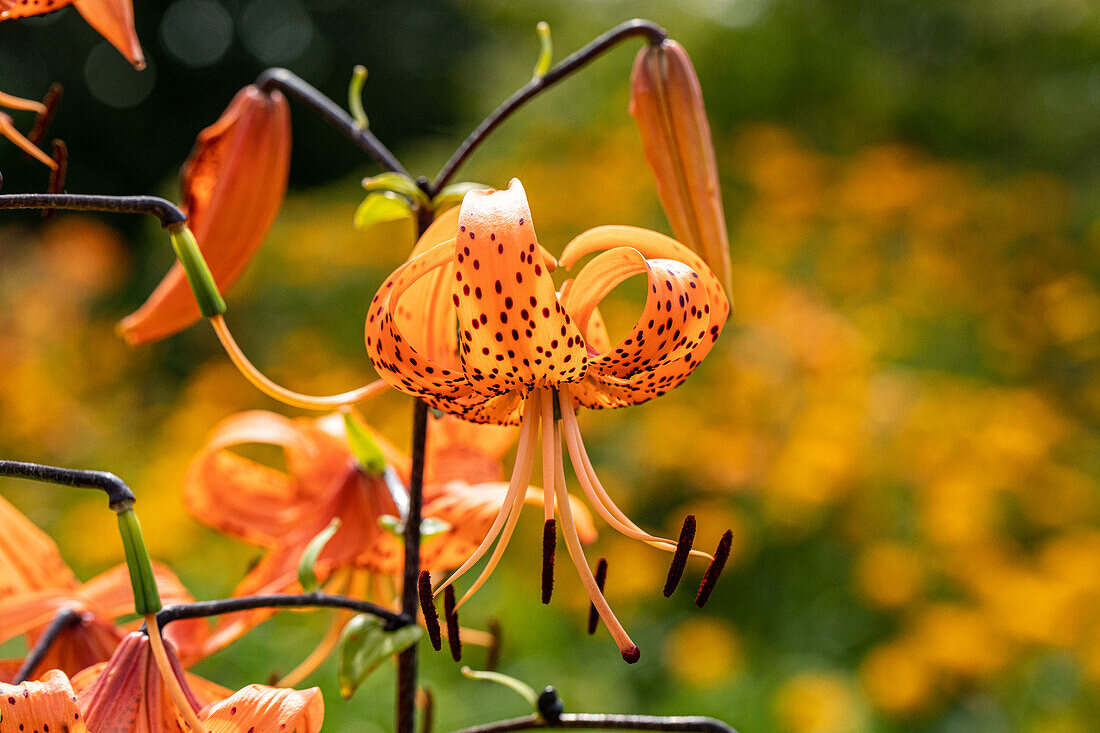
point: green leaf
(396, 183)
(366, 451)
(453, 194)
(380, 207)
(306, 576)
(429, 528)
(365, 644)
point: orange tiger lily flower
(667, 104)
(36, 706)
(505, 348)
(35, 584)
(233, 185)
(113, 19)
(127, 693)
(284, 511)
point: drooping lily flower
(127, 693)
(520, 353)
(667, 103)
(284, 511)
(40, 705)
(233, 185)
(36, 584)
(113, 19)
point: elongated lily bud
(667, 104)
(146, 595)
(233, 186)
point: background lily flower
(667, 103)
(35, 584)
(263, 709)
(127, 694)
(113, 19)
(521, 354)
(233, 185)
(38, 705)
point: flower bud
(233, 185)
(667, 104)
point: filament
(573, 543)
(547, 455)
(282, 394)
(517, 487)
(8, 130)
(168, 674)
(595, 492)
(13, 102)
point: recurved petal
(11, 9)
(512, 331)
(233, 185)
(29, 559)
(114, 20)
(667, 104)
(683, 317)
(40, 705)
(262, 709)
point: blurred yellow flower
(704, 652)
(817, 702)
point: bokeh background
(900, 422)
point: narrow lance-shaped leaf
(307, 577)
(365, 645)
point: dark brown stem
(118, 493)
(65, 618)
(652, 32)
(167, 212)
(588, 721)
(203, 609)
(298, 89)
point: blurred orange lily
(35, 706)
(284, 511)
(500, 346)
(113, 19)
(129, 694)
(233, 185)
(35, 584)
(667, 103)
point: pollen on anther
(427, 607)
(453, 639)
(711, 578)
(601, 578)
(549, 544)
(679, 559)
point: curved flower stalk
(283, 512)
(505, 348)
(112, 19)
(233, 185)
(667, 103)
(37, 585)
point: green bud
(396, 183)
(546, 53)
(142, 580)
(366, 451)
(355, 96)
(306, 575)
(198, 273)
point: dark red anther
(452, 623)
(427, 607)
(549, 543)
(715, 569)
(680, 558)
(601, 577)
(57, 175)
(42, 121)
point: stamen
(42, 120)
(715, 569)
(8, 130)
(57, 175)
(13, 102)
(427, 608)
(573, 543)
(547, 403)
(453, 637)
(595, 492)
(492, 652)
(601, 578)
(549, 543)
(282, 394)
(679, 560)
